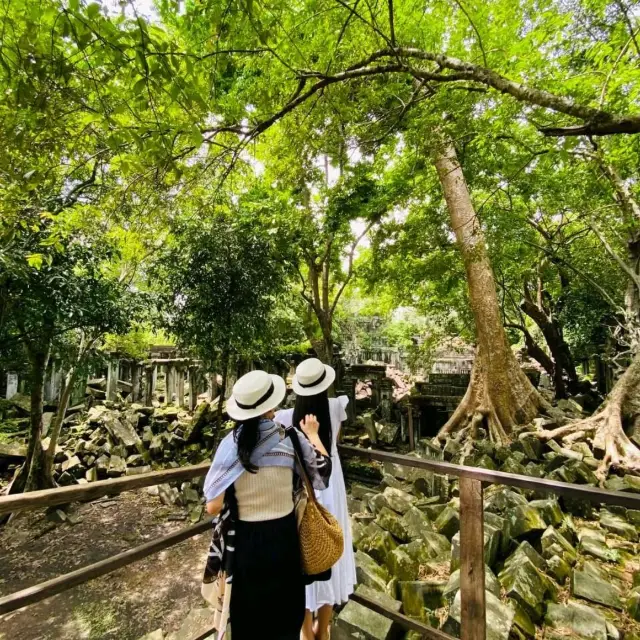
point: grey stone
(398, 500)
(117, 467)
(527, 585)
(550, 511)
(397, 470)
(554, 543)
(361, 492)
(390, 521)
(499, 617)
(401, 565)
(617, 525)
(74, 467)
(168, 495)
(136, 471)
(356, 621)
(523, 626)
(633, 604)
(577, 619)
(91, 474)
(381, 598)
(387, 433)
(589, 587)
(416, 523)
(370, 573)
(376, 542)
(418, 594)
(599, 549)
(121, 432)
(491, 545)
(559, 569)
(377, 502)
(501, 498)
(448, 522)
(390, 481)
(490, 584)
(525, 521)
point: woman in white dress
(310, 384)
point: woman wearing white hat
(253, 472)
(310, 384)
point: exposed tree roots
(497, 412)
(605, 428)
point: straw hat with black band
(312, 377)
(254, 394)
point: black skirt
(268, 597)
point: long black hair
(318, 405)
(246, 436)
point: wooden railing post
(473, 614)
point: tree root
(608, 438)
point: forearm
(314, 439)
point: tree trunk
(30, 477)
(56, 424)
(552, 331)
(499, 395)
(535, 351)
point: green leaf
(35, 260)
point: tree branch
(350, 268)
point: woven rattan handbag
(321, 539)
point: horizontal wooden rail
(62, 583)
(403, 621)
(94, 490)
(582, 491)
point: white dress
(334, 498)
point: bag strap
(293, 435)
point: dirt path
(156, 592)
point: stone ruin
(555, 567)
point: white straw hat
(312, 377)
(254, 394)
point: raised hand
(310, 425)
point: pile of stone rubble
(555, 568)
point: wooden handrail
(44, 590)
(93, 490)
(581, 491)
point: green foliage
(221, 281)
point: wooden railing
(473, 622)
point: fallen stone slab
(370, 573)
(499, 618)
(590, 587)
(577, 620)
(398, 500)
(17, 451)
(393, 523)
(619, 526)
(356, 621)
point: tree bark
(535, 351)
(499, 395)
(30, 477)
(56, 425)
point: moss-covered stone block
(390, 521)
